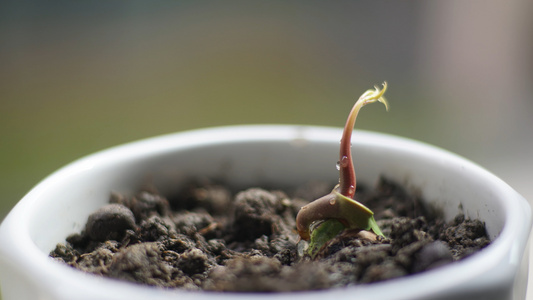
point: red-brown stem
(326, 207)
(347, 180)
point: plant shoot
(324, 218)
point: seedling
(324, 218)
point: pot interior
(69, 196)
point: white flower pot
(265, 155)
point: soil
(209, 237)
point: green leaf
(323, 232)
(356, 215)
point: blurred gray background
(81, 76)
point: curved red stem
(347, 179)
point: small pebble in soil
(109, 222)
(431, 256)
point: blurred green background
(81, 76)
(77, 77)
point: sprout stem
(338, 207)
(347, 179)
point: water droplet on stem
(351, 189)
(344, 161)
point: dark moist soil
(208, 237)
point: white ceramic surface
(272, 155)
